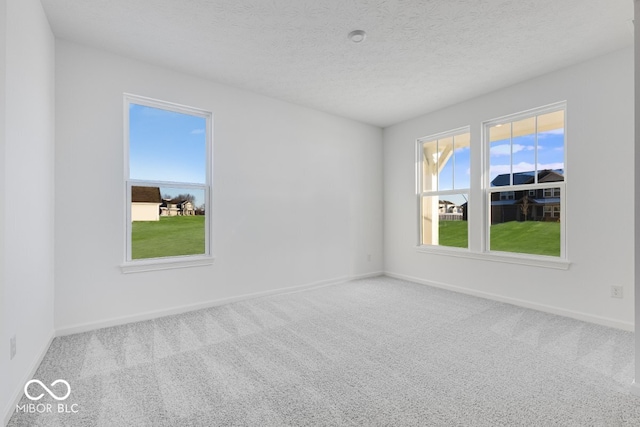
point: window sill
(522, 259)
(154, 264)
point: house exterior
(145, 203)
(449, 211)
(541, 204)
(177, 207)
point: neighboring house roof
(145, 194)
(520, 178)
(546, 201)
(551, 176)
(166, 202)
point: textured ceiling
(419, 55)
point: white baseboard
(17, 395)
(635, 388)
(85, 327)
(605, 321)
(366, 275)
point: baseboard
(366, 275)
(17, 395)
(605, 321)
(635, 388)
(75, 329)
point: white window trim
(487, 189)
(504, 257)
(420, 193)
(152, 264)
(484, 190)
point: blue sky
(167, 146)
(456, 172)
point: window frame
(150, 264)
(439, 193)
(487, 189)
(478, 198)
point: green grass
(528, 237)
(454, 234)
(171, 236)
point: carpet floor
(373, 352)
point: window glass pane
(526, 224)
(445, 164)
(523, 149)
(430, 166)
(166, 145)
(167, 221)
(500, 155)
(462, 156)
(444, 220)
(551, 142)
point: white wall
(27, 226)
(600, 169)
(297, 193)
(636, 386)
(4, 343)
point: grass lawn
(171, 236)
(530, 237)
(453, 233)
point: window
(552, 211)
(516, 205)
(168, 181)
(526, 154)
(551, 192)
(444, 164)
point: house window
(552, 211)
(551, 192)
(507, 195)
(443, 194)
(526, 153)
(168, 180)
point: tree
(524, 207)
(186, 196)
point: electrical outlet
(616, 291)
(13, 346)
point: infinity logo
(52, 394)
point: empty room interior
(299, 212)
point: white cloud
(197, 132)
(549, 133)
(505, 149)
(558, 165)
(499, 170)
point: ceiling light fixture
(357, 36)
